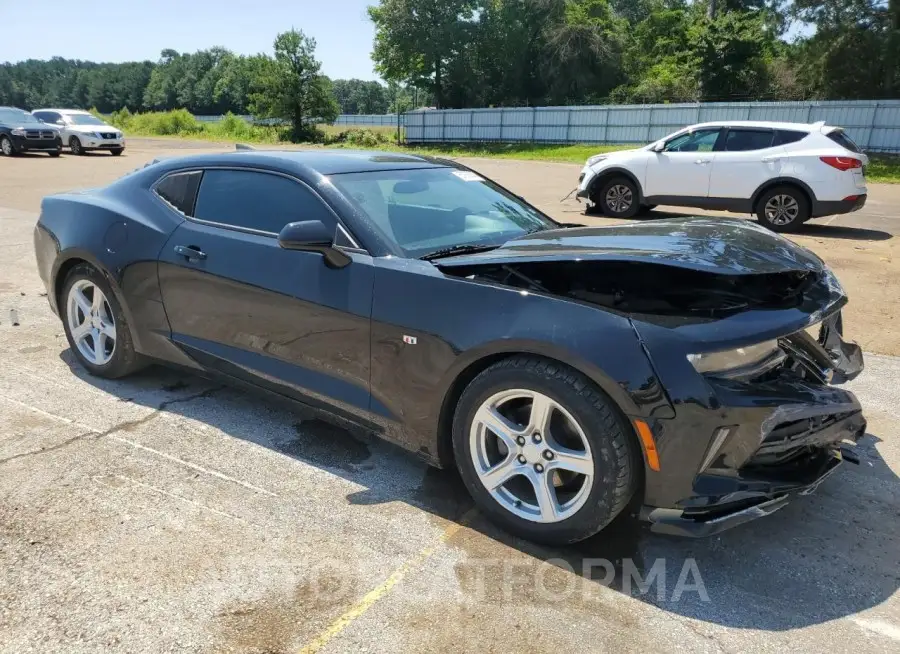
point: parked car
(82, 131)
(785, 173)
(566, 371)
(22, 132)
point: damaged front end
(744, 439)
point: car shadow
(809, 229)
(825, 556)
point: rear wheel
(543, 452)
(618, 198)
(783, 209)
(6, 146)
(95, 325)
(75, 146)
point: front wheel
(95, 325)
(75, 146)
(782, 209)
(543, 452)
(117, 152)
(618, 198)
(6, 146)
(55, 153)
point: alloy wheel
(531, 455)
(91, 322)
(6, 146)
(782, 209)
(75, 145)
(619, 198)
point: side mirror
(658, 146)
(60, 122)
(313, 236)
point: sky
(137, 30)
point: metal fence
(383, 120)
(874, 125)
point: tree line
(479, 53)
(207, 82)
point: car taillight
(842, 163)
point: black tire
(617, 458)
(55, 153)
(116, 153)
(624, 203)
(125, 360)
(75, 146)
(793, 202)
(7, 148)
(648, 207)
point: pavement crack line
(95, 434)
(369, 599)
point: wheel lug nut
(548, 455)
(520, 440)
(538, 467)
(537, 438)
(521, 459)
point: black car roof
(323, 162)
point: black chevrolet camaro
(685, 366)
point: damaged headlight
(747, 360)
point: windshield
(83, 119)
(431, 209)
(17, 117)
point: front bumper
(757, 443)
(584, 182)
(25, 144)
(94, 143)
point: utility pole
(711, 9)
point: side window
(700, 141)
(743, 140)
(46, 116)
(785, 136)
(180, 190)
(255, 200)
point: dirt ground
(861, 247)
(161, 513)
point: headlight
(18, 131)
(596, 159)
(743, 360)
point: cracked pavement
(164, 513)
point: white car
(82, 131)
(785, 173)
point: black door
(240, 304)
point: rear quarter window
(787, 136)
(180, 190)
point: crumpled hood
(717, 245)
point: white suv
(82, 131)
(785, 173)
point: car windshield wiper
(458, 249)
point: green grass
(883, 168)
(181, 124)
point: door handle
(190, 252)
(702, 162)
(771, 159)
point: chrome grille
(108, 135)
(49, 134)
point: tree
(292, 87)
(417, 41)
